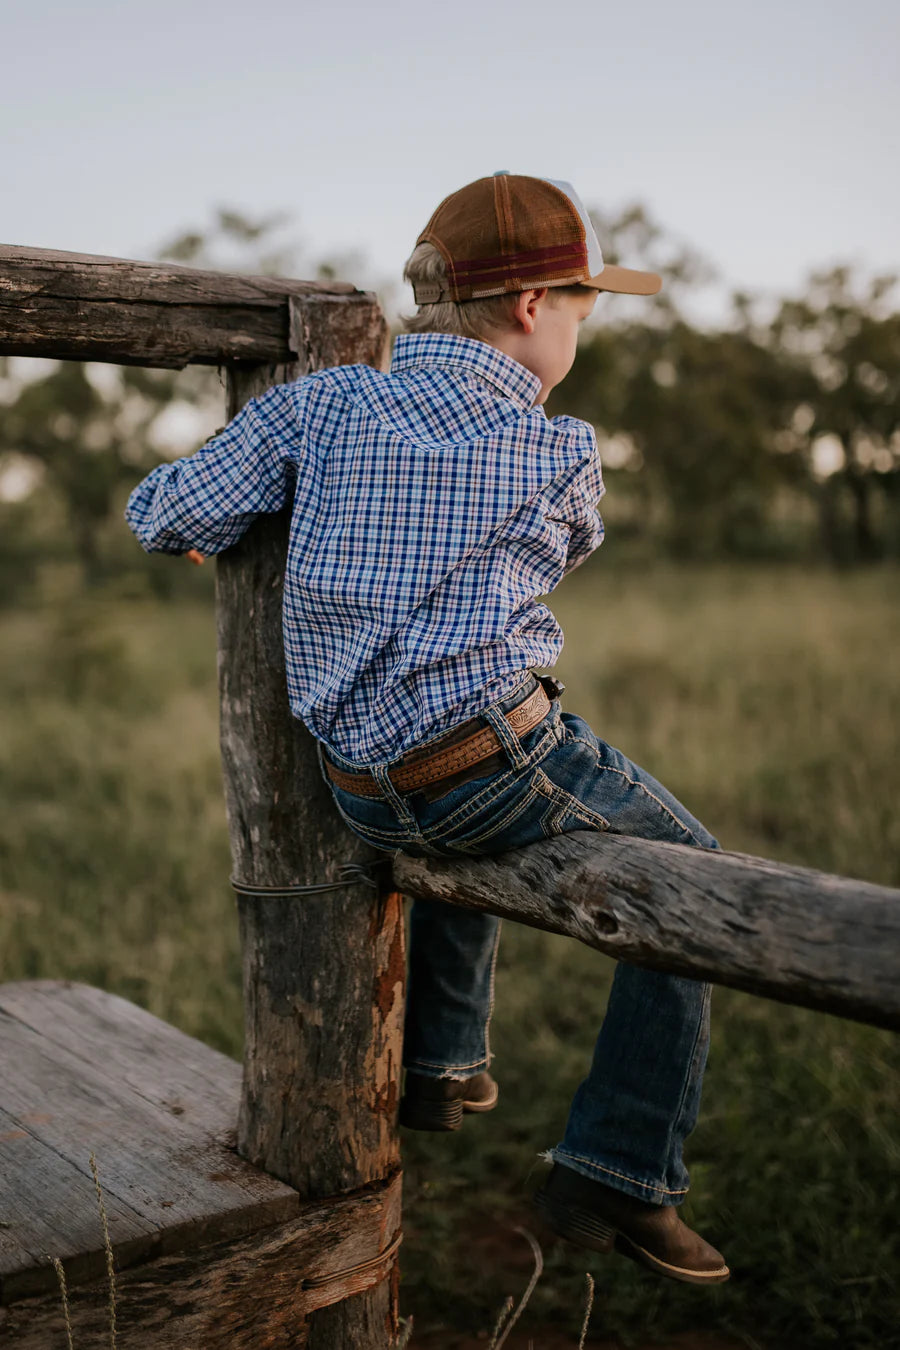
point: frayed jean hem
(651, 1191)
(455, 1072)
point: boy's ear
(525, 310)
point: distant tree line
(779, 433)
(776, 434)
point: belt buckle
(551, 686)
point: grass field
(767, 699)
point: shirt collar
(413, 351)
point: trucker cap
(510, 232)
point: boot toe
(594, 1215)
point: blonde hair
(459, 318)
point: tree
(705, 411)
(846, 336)
(86, 444)
(634, 238)
(89, 432)
(700, 416)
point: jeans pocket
(563, 812)
(373, 821)
(505, 820)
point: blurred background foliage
(737, 634)
(774, 435)
(76, 437)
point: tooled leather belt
(422, 770)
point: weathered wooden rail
(83, 308)
(314, 1259)
(787, 933)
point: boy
(431, 506)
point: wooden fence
(323, 979)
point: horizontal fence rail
(74, 306)
(786, 933)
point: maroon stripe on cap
(559, 270)
(524, 274)
(559, 253)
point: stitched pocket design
(372, 821)
(565, 813)
(504, 823)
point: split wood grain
(120, 1040)
(263, 1290)
(48, 1207)
(149, 1158)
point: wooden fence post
(323, 975)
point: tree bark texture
(323, 974)
(79, 307)
(786, 933)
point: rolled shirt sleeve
(576, 496)
(585, 522)
(209, 499)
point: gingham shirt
(431, 506)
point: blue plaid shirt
(431, 506)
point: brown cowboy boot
(602, 1218)
(439, 1103)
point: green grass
(113, 844)
(767, 699)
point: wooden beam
(78, 307)
(323, 974)
(787, 933)
(88, 1072)
(268, 1288)
(207, 1251)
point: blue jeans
(639, 1101)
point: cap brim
(625, 281)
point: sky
(765, 136)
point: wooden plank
(787, 933)
(13, 1256)
(324, 974)
(48, 1208)
(121, 1041)
(79, 307)
(188, 1187)
(97, 276)
(250, 1293)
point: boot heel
(576, 1224)
(417, 1114)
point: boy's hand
(194, 556)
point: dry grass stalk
(406, 1331)
(589, 1307)
(498, 1325)
(523, 1301)
(110, 1268)
(61, 1277)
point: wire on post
(351, 874)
